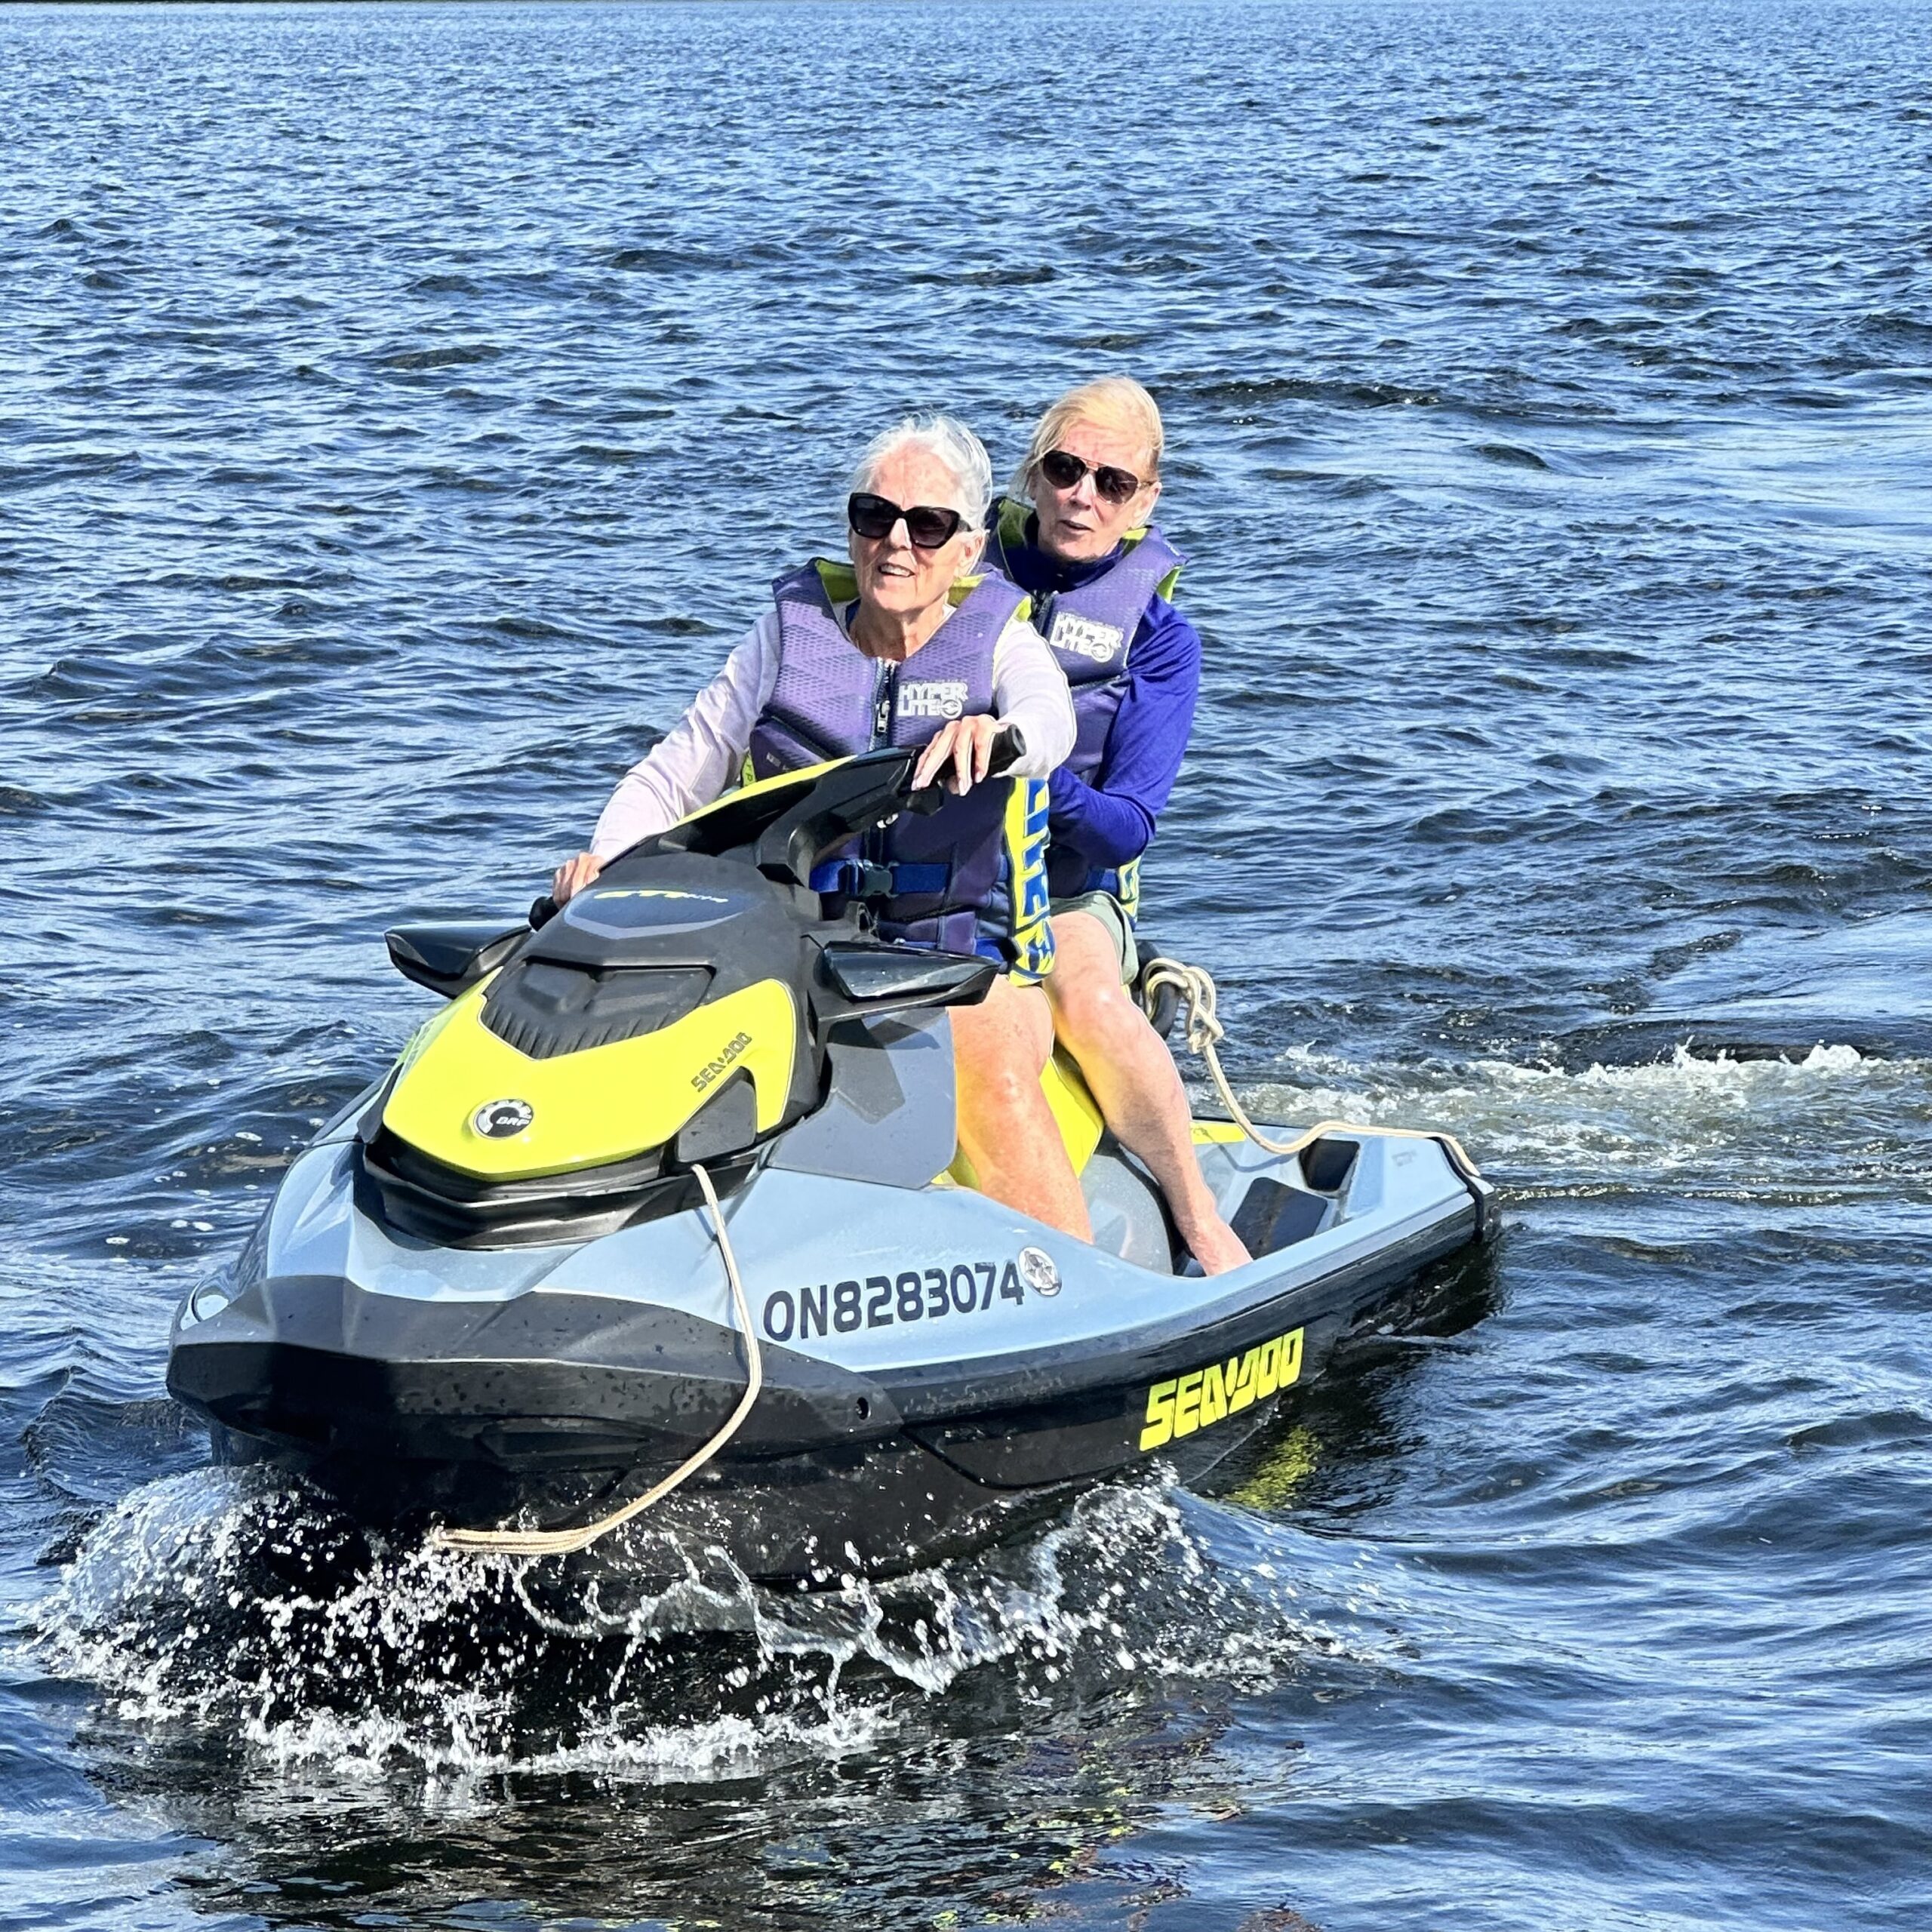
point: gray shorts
(1112, 915)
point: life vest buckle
(853, 878)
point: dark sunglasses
(929, 527)
(1063, 469)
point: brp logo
(502, 1120)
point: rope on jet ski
(1195, 988)
(565, 1542)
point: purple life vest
(1091, 629)
(952, 873)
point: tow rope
(1195, 987)
(565, 1542)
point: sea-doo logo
(502, 1120)
(1211, 1395)
(712, 1068)
(1084, 637)
(655, 892)
(940, 697)
(1037, 1270)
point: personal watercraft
(510, 1281)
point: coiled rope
(565, 1542)
(1205, 1032)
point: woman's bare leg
(999, 1049)
(1134, 1078)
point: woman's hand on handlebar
(574, 875)
(960, 754)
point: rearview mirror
(450, 955)
(888, 978)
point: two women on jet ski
(907, 646)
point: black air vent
(545, 1009)
(401, 1187)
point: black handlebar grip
(542, 911)
(1009, 748)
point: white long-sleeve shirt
(700, 755)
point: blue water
(402, 409)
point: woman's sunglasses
(929, 527)
(1063, 469)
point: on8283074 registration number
(885, 1301)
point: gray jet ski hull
(938, 1370)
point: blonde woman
(1077, 536)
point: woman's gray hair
(949, 440)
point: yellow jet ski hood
(677, 1010)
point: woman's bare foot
(1215, 1245)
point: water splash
(1828, 1119)
(237, 1605)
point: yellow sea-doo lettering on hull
(586, 1108)
(1208, 1395)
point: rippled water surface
(402, 409)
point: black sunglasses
(928, 526)
(1063, 469)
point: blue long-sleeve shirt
(1111, 819)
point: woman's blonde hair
(1117, 400)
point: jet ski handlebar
(849, 798)
(1009, 747)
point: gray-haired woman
(906, 647)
